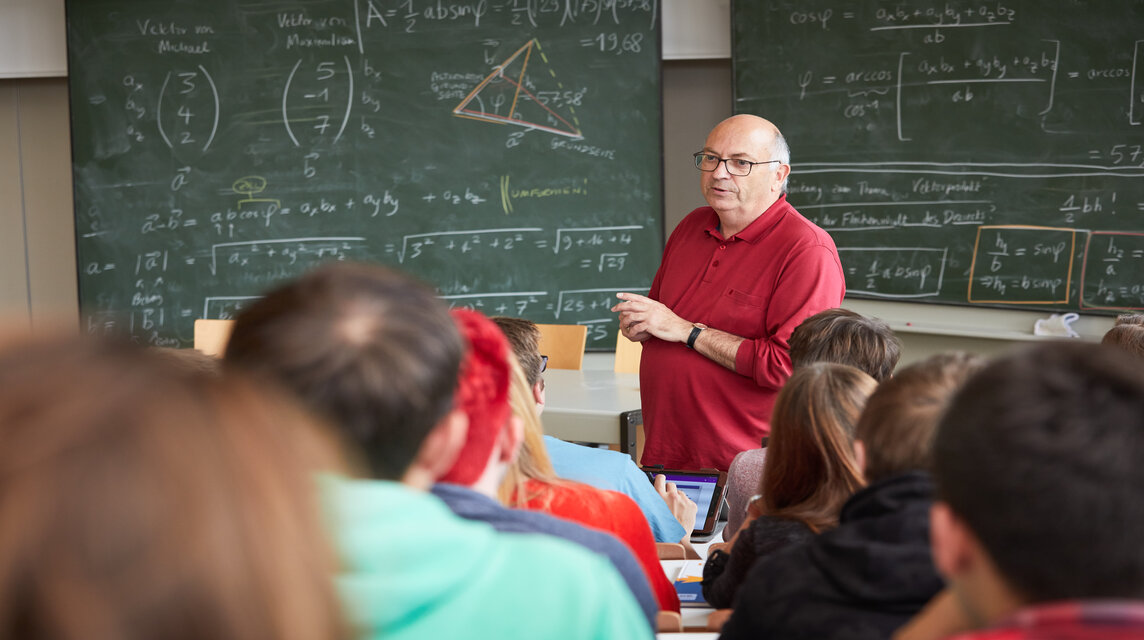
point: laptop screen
(705, 488)
(701, 489)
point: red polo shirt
(758, 284)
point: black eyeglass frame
(700, 155)
(543, 363)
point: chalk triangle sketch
(508, 95)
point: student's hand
(682, 507)
(717, 619)
(725, 547)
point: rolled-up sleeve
(810, 282)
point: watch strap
(695, 331)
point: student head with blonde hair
(493, 394)
(530, 482)
(144, 500)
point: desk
(586, 405)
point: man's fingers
(660, 482)
(635, 297)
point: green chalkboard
(975, 153)
(506, 151)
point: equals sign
(828, 79)
(1140, 206)
(585, 264)
(541, 244)
(1074, 74)
(587, 42)
(1094, 154)
(391, 12)
(1018, 252)
(190, 223)
(852, 270)
(847, 14)
(1139, 253)
(389, 248)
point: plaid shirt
(1070, 620)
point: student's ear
(860, 455)
(439, 450)
(954, 545)
(538, 395)
(511, 437)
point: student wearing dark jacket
(871, 574)
(811, 471)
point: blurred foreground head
(372, 350)
(143, 500)
(1040, 481)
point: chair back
(563, 344)
(670, 551)
(627, 355)
(211, 336)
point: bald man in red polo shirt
(736, 278)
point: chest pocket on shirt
(740, 313)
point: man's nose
(721, 170)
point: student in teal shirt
(378, 356)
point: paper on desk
(689, 584)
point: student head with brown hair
(843, 336)
(1126, 336)
(140, 500)
(835, 335)
(811, 468)
(865, 578)
(524, 338)
(811, 471)
(896, 430)
(372, 350)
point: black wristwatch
(696, 329)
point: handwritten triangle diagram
(508, 95)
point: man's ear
(783, 171)
(860, 455)
(954, 546)
(439, 450)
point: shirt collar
(758, 227)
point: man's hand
(641, 318)
(682, 507)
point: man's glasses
(543, 363)
(735, 166)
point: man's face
(743, 198)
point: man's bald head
(741, 199)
